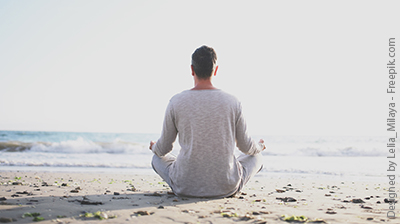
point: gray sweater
(209, 123)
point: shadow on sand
(83, 207)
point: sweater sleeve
(168, 135)
(243, 141)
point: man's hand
(151, 144)
(261, 143)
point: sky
(298, 67)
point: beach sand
(75, 197)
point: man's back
(207, 122)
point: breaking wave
(79, 145)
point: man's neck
(201, 84)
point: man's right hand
(151, 144)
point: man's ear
(193, 73)
(215, 71)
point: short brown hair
(204, 60)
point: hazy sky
(298, 67)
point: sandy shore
(59, 197)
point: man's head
(204, 61)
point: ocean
(343, 157)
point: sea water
(341, 157)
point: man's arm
(243, 141)
(168, 135)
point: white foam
(81, 145)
